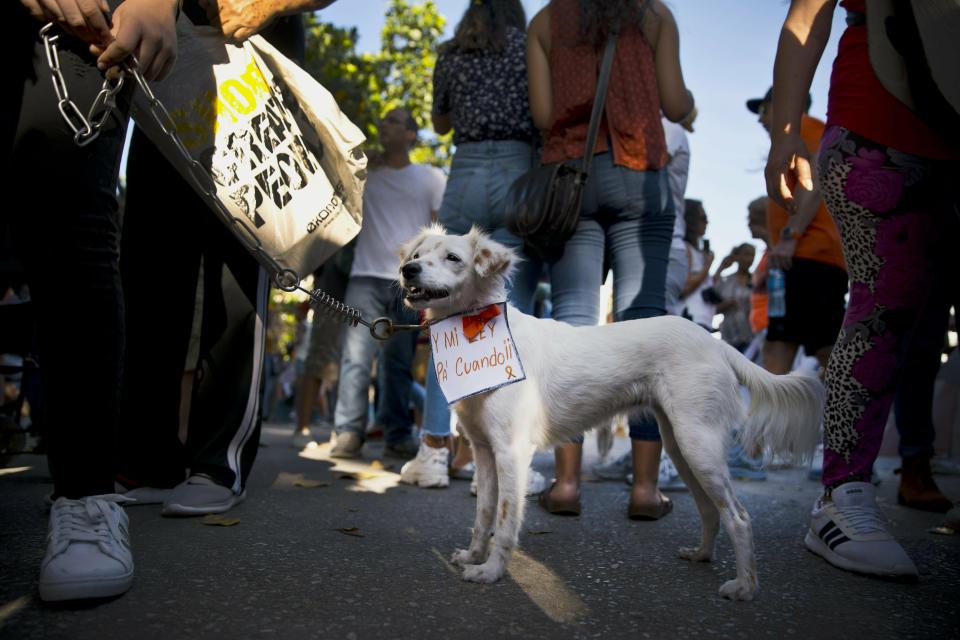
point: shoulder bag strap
(600, 97)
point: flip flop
(558, 507)
(650, 512)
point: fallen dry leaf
(286, 480)
(350, 531)
(360, 475)
(306, 483)
(216, 520)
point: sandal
(559, 507)
(648, 511)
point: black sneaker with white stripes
(847, 531)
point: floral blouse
(486, 94)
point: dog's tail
(785, 411)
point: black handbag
(543, 205)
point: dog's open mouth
(416, 294)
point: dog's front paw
(487, 572)
(738, 590)
(695, 554)
(463, 557)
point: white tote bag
(266, 140)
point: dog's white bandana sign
(474, 352)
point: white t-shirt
(677, 171)
(700, 310)
(397, 203)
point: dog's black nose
(411, 270)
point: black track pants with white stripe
(167, 231)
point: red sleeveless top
(859, 102)
(631, 119)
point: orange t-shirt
(759, 297)
(820, 240)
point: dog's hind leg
(709, 516)
(736, 521)
(512, 463)
(486, 507)
(703, 447)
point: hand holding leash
(146, 29)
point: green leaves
(367, 85)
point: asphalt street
(328, 549)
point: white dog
(578, 378)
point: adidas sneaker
(88, 550)
(848, 532)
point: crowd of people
(871, 219)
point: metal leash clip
(389, 328)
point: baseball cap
(753, 104)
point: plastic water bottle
(777, 292)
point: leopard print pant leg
(880, 201)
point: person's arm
(538, 70)
(440, 184)
(440, 114)
(240, 19)
(146, 28)
(84, 19)
(725, 264)
(696, 278)
(802, 39)
(729, 298)
(442, 123)
(676, 101)
(807, 203)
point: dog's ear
(407, 248)
(490, 258)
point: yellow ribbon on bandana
(473, 325)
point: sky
(727, 49)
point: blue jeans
(625, 219)
(480, 176)
(376, 297)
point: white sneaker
(466, 472)
(668, 478)
(88, 550)
(143, 495)
(536, 483)
(615, 469)
(847, 531)
(199, 495)
(430, 467)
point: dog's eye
(416, 256)
(452, 257)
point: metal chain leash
(86, 129)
